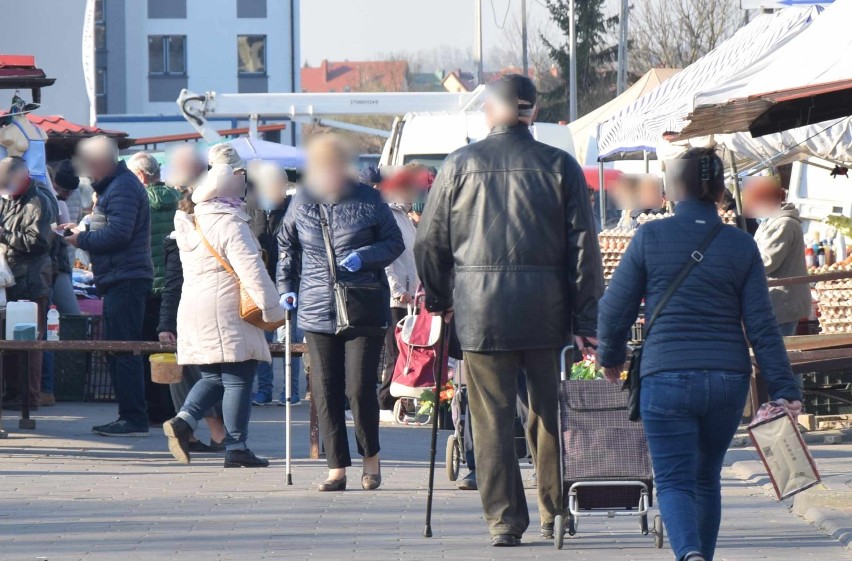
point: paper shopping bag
(785, 455)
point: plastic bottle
(809, 257)
(840, 248)
(53, 324)
(826, 248)
(820, 254)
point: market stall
(808, 80)
(639, 128)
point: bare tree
(676, 33)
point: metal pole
(477, 41)
(602, 194)
(622, 47)
(288, 392)
(572, 68)
(646, 158)
(525, 54)
(738, 195)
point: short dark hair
(710, 185)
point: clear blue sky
(365, 29)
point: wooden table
(116, 347)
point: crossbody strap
(329, 251)
(694, 259)
(215, 253)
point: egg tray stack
(613, 244)
(835, 305)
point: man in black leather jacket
(507, 242)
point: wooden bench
(118, 347)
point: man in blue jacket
(119, 243)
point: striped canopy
(644, 124)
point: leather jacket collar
(520, 129)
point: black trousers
(344, 366)
(492, 390)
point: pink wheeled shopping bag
(417, 337)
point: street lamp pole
(572, 68)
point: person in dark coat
(365, 239)
(696, 368)
(119, 243)
(167, 333)
(25, 239)
(509, 218)
(266, 205)
(163, 201)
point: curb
(809, 505)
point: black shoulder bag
(360, 309)
(634, 380)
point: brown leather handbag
(249, 310)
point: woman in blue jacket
(365, 239)
(695, 364)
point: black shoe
(694, 556)
(196, 446)
(331, 485)
(120, 428)
(468, 482)
(216, 447)
(179, 433)
(547, 530)
(505, 540)
(244, 458)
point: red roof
(55, 125)
(348, 76)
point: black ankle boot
(179, 434)
(244, 458)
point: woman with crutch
(335, 241)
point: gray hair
(100, 147)
(144, 164)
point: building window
(251, 54)
(167, 54)
(101, 91)
(100, 26)
(251, 8)
(167, 9)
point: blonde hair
(330, 148)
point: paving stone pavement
(69, 495)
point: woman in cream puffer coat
(211, 333)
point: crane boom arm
(196, 108)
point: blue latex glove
(352, 263)
(289, 301)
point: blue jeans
(229, 383)
(264, 369)
(124, 312)
(690, 418)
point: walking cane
(439, 357)
(288, 372)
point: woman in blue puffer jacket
(695, 362)
(365, 239)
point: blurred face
(762, 197)
(96, 167)
(327, 173)
(272, 193)
(16, 183)
(185, 167)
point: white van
(816, 194)
(428, 138)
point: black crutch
(439, 376)
(288, 389)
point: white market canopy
(642, 125)
(585, 129)
(806, 81)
